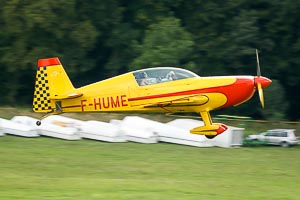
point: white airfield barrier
(131, 128)
(17, 128)
(57, 131)
(29, 121)
(2, 132)
(161, 132)
(178, 135)
(60, 127)
(52, 126)
(232, 137)
(95, 130)
(135, 130)
(103, 131)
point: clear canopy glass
(161, 74)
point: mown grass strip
(48, 168)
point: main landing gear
(210, 130)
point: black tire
(210, 136)
(284, 144)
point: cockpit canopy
(161, 74)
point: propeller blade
(258, 66)
(260, 82)
(261, 94)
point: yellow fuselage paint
(122, 93)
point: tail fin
(51, 81)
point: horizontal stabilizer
(67, 96)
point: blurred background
(99, 39)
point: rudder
(51, 81)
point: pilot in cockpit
(143, 78)
(171, 76)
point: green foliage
(100, 39)
(165, 44)
(276, 105)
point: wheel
(210, 136)
(38, 123)
(284, 144)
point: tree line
(99, 39)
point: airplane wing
(198, 99)
(67, 96)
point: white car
(282, 137)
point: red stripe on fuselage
(241, 90)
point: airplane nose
(265, 82)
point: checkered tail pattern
(41, 99)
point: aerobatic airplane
(160, 89)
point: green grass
(48, 168)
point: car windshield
(161, 74)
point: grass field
(48, 168)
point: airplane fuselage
(122, 93)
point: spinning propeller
(260, 82)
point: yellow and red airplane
(161, 89)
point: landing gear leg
(210, 130)
(39, 122)
(206, 118)
(207, 121)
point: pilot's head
(171, 75)
(143, 75)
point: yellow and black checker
(41, 99)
